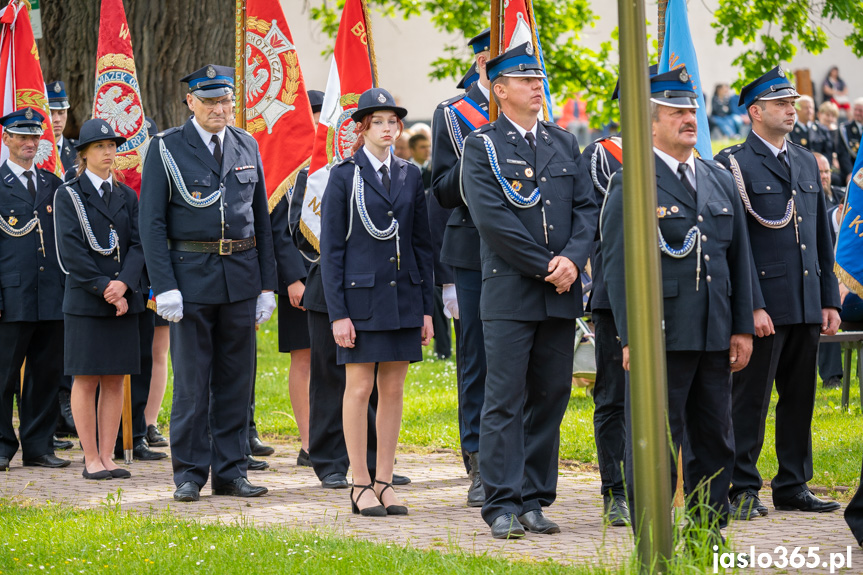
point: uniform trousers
(140, 382)
(41, 342)
(854, 513)
(213, 356)
(527, 390)
(441, 326)
(470, 346)
(327, 448)
(699, 420)
(789, 358)
(609, 397)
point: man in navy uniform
(31, 296)
(453, 120)
(808, 132)
(850, 131)
(795, 298)
(530, 197)
(58, 102)
(205, 228)
(706, 290)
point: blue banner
(677, 51)
(849, 244)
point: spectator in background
(841, 163)
(808, 133)
(420, 147)
(724, 116)
(402, 148)
(835, 90)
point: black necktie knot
(683, 171)
(217, 148)
(385, 177)
(31, 185)
(106, 193)
(531, 139)
(783, 160)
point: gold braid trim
(304, 229)
(115, 61)
(151, 304)
(256, 125)
(127, 161)
(847, 279)
(287, 183)
(289, 93)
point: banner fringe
(286, 184)
(310, 236)
(846, 278)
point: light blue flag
(677, 51)
(849, 244)
(546, 87)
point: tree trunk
(170, 39)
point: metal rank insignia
(803, 141)
(661, 211)
(528, 172)
(13, 220)
(49, 209)
(516, 185)
(196, 195)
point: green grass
(430, 418)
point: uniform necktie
(31, 186)
(217, 148)
(106, 193)
(683, 170)
(531, 139)
(385, 177)
(783, 159)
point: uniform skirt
(159, 322)
(101, 345)
(293, 326)
(377, 346)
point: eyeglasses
(210, 104)
(826, 171)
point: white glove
(450, 303)
(169, 305)
(265, 307)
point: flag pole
(370, 42)
(240, 64)
(496, 17)
(127, 419)
(663, 4)
(534, 35)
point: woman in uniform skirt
(376, 265)
(96, 219)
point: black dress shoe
(256, 464)
(476, 492)
(334, 481)
(259, 449)
(391, 509)
(303, 459)
(805, 501)
(745, 506)
(120, 473)
(97, 476)
(535, 522)
(833, 382)
(616, 510)
(47, 460)
(188, 491)
(62, 445)
(373, 511)
(4, 463)
(401, 479)
(155, 438)
(240, 487)
(142, 453)
(506, 526)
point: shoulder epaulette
(483, 129)
(548, 124)
(451, 101)
(239, 131)
(169, 131)
(799, 146)
(348, 160)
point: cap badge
(529, 49)
(684, 76)
(28, 114)
(211, 72)
(382, 99)
(58, 88)
(780, 71)
(104, 129)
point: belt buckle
(225, 247)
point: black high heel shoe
(391, 509)
(376, 511)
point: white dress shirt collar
(19, 171)
(376, 163)
(776, 151)
(208, 136)
(97, 181)
(521, 130)
(485, 91)
(673, 164)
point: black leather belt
(221, 247)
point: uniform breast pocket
(723, 217)
(768, 199)
(521, 177)
(562, 174)
(810, 191)
(248, 179)
(198, 184)
(10, 280)
(358, 295)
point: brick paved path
(438, 518)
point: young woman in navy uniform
(376, 262)
(96, 220)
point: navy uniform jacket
(313, 297)
(290, 265)
(815, 139)
(599, 292)
(850, 133)
(89, 271)
(207, 278)
(31, 283)
(438, 218)
(702, 320)
(515, 256)
(460, 247)
(68, 154)
(795, 281)
(360, 276)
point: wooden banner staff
(240, 65)
(127, 420)
(663, 4)
(496, 37)
(370, 43)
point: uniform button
(552, 253)
(803, 247)
(564, 170)
(551, 228)
(706, 258)
(116, 274)
(392, 284)
(547, 202)
(763, 273)
(709, 279)
(703, 238)
(799, 218)
(463, 220)
(181, 258)
(494, 271)
(41, 269)
(793, 192)
(806, 272)
(542, 179)
(700, 218)
(538, 276)
(111, 226)
(11, 211)
(725, 210)
(116, 258)
(392, 260)
(227, 226)
(94, 288)
(390, 214)
(353, 283)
